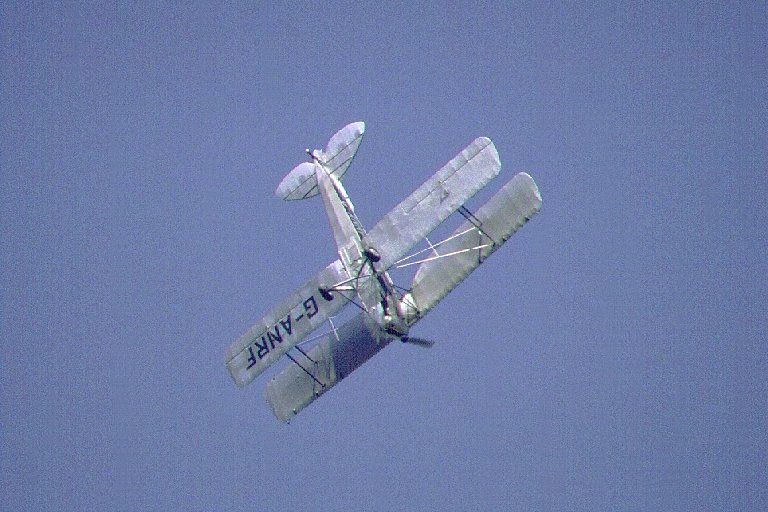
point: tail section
(301, 182)
(345, 227)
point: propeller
(419, 342)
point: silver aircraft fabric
(301, 182)
(286, 325)
(492, 225)
(333, 358)
(345, 349)
(437, 198)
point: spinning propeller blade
(419, 342)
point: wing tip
(486, 144)
(532, 186)
(270, 396)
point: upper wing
(441, 195)
(301, 182)
(472, 243)
(285, 326)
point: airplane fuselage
(387, 308)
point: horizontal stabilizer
(472, 243)
(286, 325)
(301, 182)
(326, 364)
(441, 195)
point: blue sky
(611, 356)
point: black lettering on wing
(274, 337)
(263, 347)
(251, 358)
(310, 306)
(287, 325)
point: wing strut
(464, 211)
(454, 253)
(432, 247)
(302, 367)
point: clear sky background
(612, 356)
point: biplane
(361, 274)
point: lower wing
(325, 365)
(345, 349)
